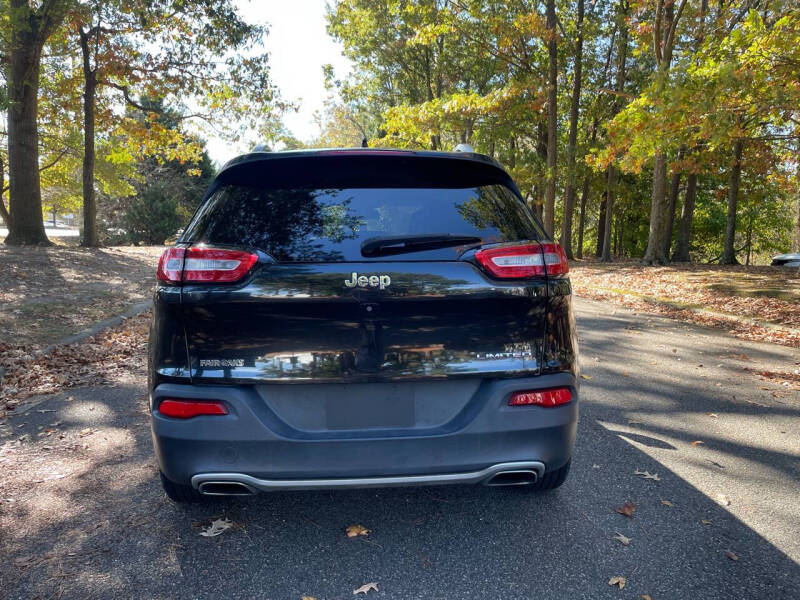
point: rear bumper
(527, 472)
(253, 446)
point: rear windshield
(329, 225)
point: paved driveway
(83, 516)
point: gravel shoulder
(82, 514)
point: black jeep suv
(357, 318)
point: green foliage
(153, 215)
(431, 74)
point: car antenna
(364, 143)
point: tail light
(186, 409)
(554, 397)
(555, 259)
(170, 265)
(526, 260)
(202, 264)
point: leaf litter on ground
(366, 588)
(217, 527)
(356, 530)
(618, 581)
(626, 509)
(625, 541)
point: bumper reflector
(186, 409)
(554, 397)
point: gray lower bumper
(269, 485)
(254, 447)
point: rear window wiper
(387, 245)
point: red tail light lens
(211, 264)
(555, 260)
(204, 265)
(528, 260)
(186, 409)
(554, 397)
(512, 261)
(170, 265)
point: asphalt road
(87, 519)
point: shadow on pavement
(107, 530)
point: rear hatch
(369, 267)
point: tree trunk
(796, 239)
(674, 190)
(552, 120)
(729, 253)
(601, 224)
(569, 195)
(541, 184)
(607, 230)
(664, 36)
(654, 255)
(25, 196)
(582, 218)
(749, 242)
(619, 86)
(687, 216)
(89, 93)
(3, 210)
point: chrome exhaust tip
(225, 488)
(520, 477)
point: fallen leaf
(667, 503)
(647, 475)
(586, 376)
(356, 530)
(625, 541)
(366, 588)
(705, 522)
(645, 597)
(626, 509)
(723, 499)
(712, 415)
(618, 581)
(308, 598)
(697, 443)
(85, 432)
(217, 527)
(732, 555)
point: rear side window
(329, 225)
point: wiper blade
(387, 245)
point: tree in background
(175, 51)
(101, 55)
(166, 197)
(574, 109)
(27, 27)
